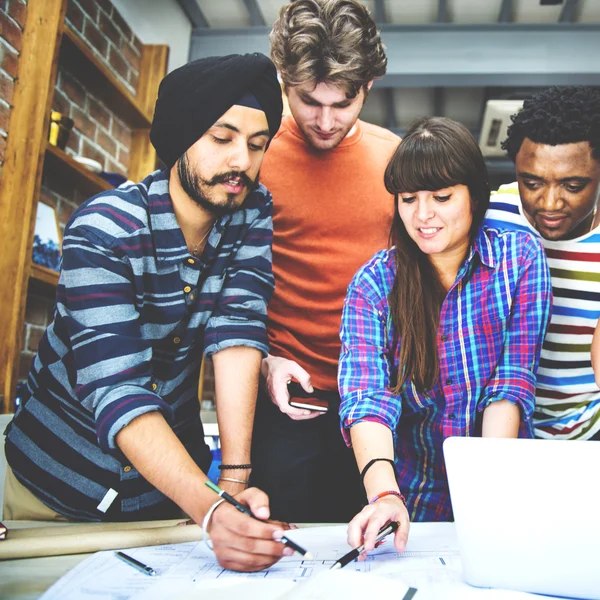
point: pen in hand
(244, 509)
(136, 564)
(348, 558)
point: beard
(198, 188)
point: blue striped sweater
(134, 313)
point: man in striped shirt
(555, 144)
(154, 275)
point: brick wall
(99, 23)
(97, 133)
(12, 19)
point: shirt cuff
(222, 333)
(121, 406)
(515, 384)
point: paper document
(185, 570)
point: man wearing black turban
(155, 275)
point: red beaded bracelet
(389, 493)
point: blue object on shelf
(115, 179)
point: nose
(239, 158)
(325, 118)
(551, 200)
(424, 210)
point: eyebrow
(307, 97)
(576, 178)
(233, 128)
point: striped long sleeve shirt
(567, 397)
(134, 314)
(492, 323)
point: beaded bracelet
(389, 493)
(233, 480)
(228, 467)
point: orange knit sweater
(331, 213)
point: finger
(306, 415)
(257, 501)
(401, 535)
(357, 526)
(298, 414)
(302, 377)
(378, 520)
(225, 539)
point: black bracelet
(221, 467)
(370, 464)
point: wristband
(205, 537)
(228, 467)
(370, 464)
(388, 493)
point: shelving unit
(64, 165)
(48, 42)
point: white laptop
(527, 513)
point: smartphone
(299, 398)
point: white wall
(159, 22)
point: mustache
(222, 178)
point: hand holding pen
(354, 554)
(290, 546)
(365, 526)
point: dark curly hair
(333, 41)
(558, 115)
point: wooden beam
(256, 17)
(506, 12)
(380, 13)
(568, 14)
(193, 13)
(20, 184)
(442, 15)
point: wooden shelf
(43, 275)
(96, 77)
(64, 165)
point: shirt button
(154, 387)
(452, 416)
(176, 340)
(127, 469)
(191, 261)
(187, 289)
(191, 296)
(449, 381)
(444, 337)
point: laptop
(527, 513)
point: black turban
(193, 97)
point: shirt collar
(169, 243)
(483, 247)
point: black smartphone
(299, 398)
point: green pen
(244, 509)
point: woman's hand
(366, 524)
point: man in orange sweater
(331, 213)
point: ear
(369, 84)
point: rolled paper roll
(93, 537)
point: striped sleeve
(96, 301)
(364, 369)
(240, 317)
(514, 378)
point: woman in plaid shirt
(441, 334)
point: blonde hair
(332, 41)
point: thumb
(257, 501)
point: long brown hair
(435, 153)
